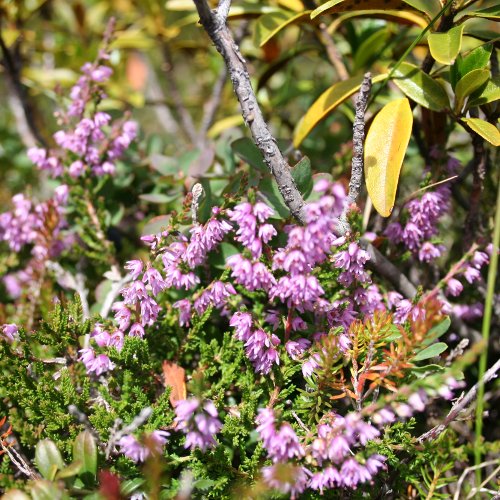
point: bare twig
(215, 26)
(358, 139)
(460, 404)
(466, 471)
(19, 461)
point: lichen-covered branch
(214, 23)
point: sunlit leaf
(420, 87)
(476, 59)
(488, 13)
(430, 7)
(269, 25)
(228, 122)
(385, 148)
(490, 93)
(397, 16)
(326, 103)
(486, 130)
(49, 79)
(445, 47)
(468, 84)
(431, 351)
(132, 39)
(436, 331)
(85, 452)
(295, 5)
(48, 457)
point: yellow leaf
(385, 148)
(229, 122)
(485, 129)
(326, 103)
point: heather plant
(230, 317)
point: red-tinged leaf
(174, 376)
(109, 485)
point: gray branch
(215, 26)
(460, 404)
(358, 141)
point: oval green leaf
(302, 175)
(420, 87)
(385, 148)
(445, 47)
(431, 351)
(468, 84)
(485, 129)
(85, 452)
(490, 93)
(326, 103)
(47, 458)
(488, 13)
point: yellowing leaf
(219, 126)
(430, 7)
(385, 148)
(295, 5)
(485, 129)
(445, 47)
(326, 103)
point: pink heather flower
(154, 279)
(260, 348)
(10, 331)
(310, 365)
(429, 252)
(242, 321)
(417, 400)
(286, 478)
(374, 463)
(95, 364)
(469, 312)
(383, 416)
(254, 276)
(134, 292)
(184, 306)
(139, 452)
(454, 287)
(471, 274)
(296, 348)
(281, 445)
(122, 315)
(403, 410)
(199, 422)
(403, 310)
(134, 267)
(136, 330)
(353, 473)
(394, 232)
(149, 311)
(352, 261)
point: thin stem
(488, 307)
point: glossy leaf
(486, 130)
(420, 87)
(490, 93)
(302, 175)
(436, 331)
(326, 103)
(385, 148)
(430, 7)
(488, 13)
(269, 25)
(85, 452)
(468, 84)
(445, 47)
(48, 457)
(431, 351)
(476, 59)
(245, 149)
(396, 16)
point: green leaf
(269, 25)
(385, 148)
(485, 129)
(45, 490)
(422, 372)
(165, 165)
(129, 486)
(490, 93)
(371, 47)
(395, 16)
(476, 59)
(436, 331)
(156, 225)
(468, 84)
(488, 13)
(219, 258)
(245, 149)
(326, 103)
(302, 175)
(71, 470)
(85, 452)
(269, 190)
(445, 47)
(430, 352)
(158, 197)
(48, 456)
(420, 87)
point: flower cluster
(93, 144)
(198, 421)
(138, 451)
(424, 216)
